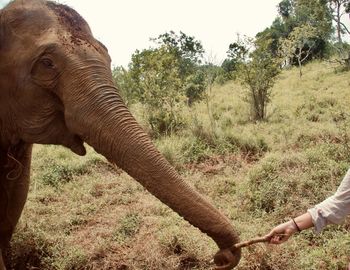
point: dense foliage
(296, 14)
(165, 78)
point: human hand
(282, 232)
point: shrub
(58, 165)
(258, 75)
(195, 86)
(247, 145)
(271, 182)
(195, 150)
(129, 226)
(328, 252)
(55, 173)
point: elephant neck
(8, 137)
(8, 129)
(9, 157)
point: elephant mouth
(77, 145)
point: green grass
(83, 213)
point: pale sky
(126, 25)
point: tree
(195, 86)
(342, 55)
(188, 50)
(125, 85)
(228, 67)
(286, 8)
(257, 73)
(339, 8)
(296, 13)
(238, 50)
(189, 53)
(156, 73)
(299, 44)
(315, 13)
(186, 46)
(235, 53)
(279, 29)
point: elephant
(56, 87)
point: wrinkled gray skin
(56, 88)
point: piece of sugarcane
(254, 241)
(251, 242)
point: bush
(247, 145)
(195, 150)
(195, 86)
(129, 226)
(274, 180)
(164, 122)
(59, 165)
(258, 73)
(327, 252)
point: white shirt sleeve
(334, 209)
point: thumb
(270, 234)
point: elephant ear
(4, 29)
(1, 30)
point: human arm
(332, 210)
(282, 232)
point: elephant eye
(47, 62)
(44, 72)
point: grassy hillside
(83, 213)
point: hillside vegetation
(83, 213)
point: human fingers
(279, 239)
(278, 230)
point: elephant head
(56, 87)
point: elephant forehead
(69, 19)
(24, 20)
(78, 30)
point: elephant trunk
(107, 125)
